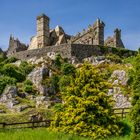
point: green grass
(44, 134)
(24, 116)
(37, 134)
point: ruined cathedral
(56, 40)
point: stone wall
(78, 51)
(81, 51)
(64, 50)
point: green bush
(25, 68)
(135, 112)
(58, 61)
(4, 81)
(67, 69)
(114, 58)
(55, 82)
(28, 87)
(87, 110)
(12, 71)
(10, 60)
(64, 82)
(58, 107)
(2, 57)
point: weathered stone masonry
(15, 46)
(64, 50)
(52, 41)
(43, 31)
(78, 51)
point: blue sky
(18, 17)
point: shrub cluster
(86, 108)
(135, 85)
(10, 74)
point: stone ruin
(94, 35)
(15, 46)
(48, 38)
(115, 41)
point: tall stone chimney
(43, 31)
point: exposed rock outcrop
(8, 97)
(36, 76)
(9, 93)
(118, 79)
(97, 60)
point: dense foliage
(87, 110)
(4, 81)
(135, 85)
(62, 71)
(11, 74)
(114, 58)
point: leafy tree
(87, 110)
(135, 112)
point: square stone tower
(99, 32)
(43, 31)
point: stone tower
(43, 31)
(99, 32)
(117, 38)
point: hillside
(36, 86)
